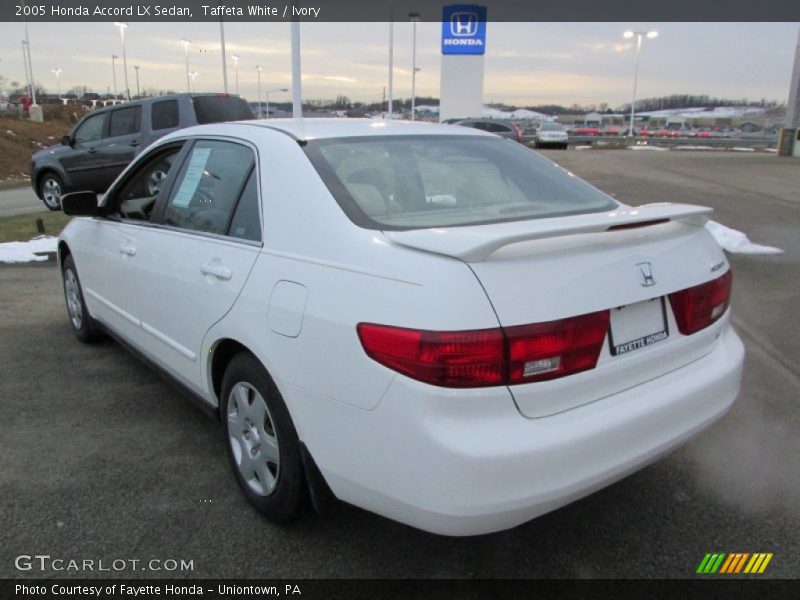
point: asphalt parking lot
(104, 460)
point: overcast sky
(526, 63)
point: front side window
(125, 121)
(212, 179)
(410, 182)
(139, 192)
(92, 129)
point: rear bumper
(464, 462)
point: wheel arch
(63, 253)
(222, 353)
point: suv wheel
(51, 188)
(262, 443)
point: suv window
(92, 129)
(164, 114)
(216, 109)
(125, 121)
(208, 186)
(138, 194)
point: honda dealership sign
(464, 29)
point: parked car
(425, 321)
(102, 144)
(582, 129)
(551, 134)
(503, 128)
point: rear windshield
(552, 127)
(216, 109)
(416, 182)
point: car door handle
(128, 249)
(135, 143)
(217, 269)
(92, 150)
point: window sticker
(191, 180)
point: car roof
(313, 129)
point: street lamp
(258, 68)
(639, 36)
(122, 28)
(414, 17)
(186, 43)
(275, 90)
(114, 57)
(193, 75)
(57, 72)
(138, 92)
(235, 58)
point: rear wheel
(51, 188)
(79, 319)
(262, 443)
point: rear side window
(246, 223)
(125, 121)
(497, 128)
(409, 182)
(164, 115)
(212, 179)
(216, 109)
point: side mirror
(80, 204)
(66, 141)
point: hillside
(20, 138)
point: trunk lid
(549, 269)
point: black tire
(79, 318)
(287, 499)
(51, 188)
(564, 146)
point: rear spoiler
(476, 243)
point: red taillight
(517, 132)
(489, 357)
(555, 349)
(698, 307)
(448, 359)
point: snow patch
(737, 242)
(656, 148)
(20, 252)
(741, 149)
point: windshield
(552, 127)
(216, 109)
(414, 182)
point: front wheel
(51, 188)
(82, 324)
(262, 443)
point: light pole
(122, 28)
(224, 59)
(235, 58)
(193, 75)
(138, 92)
(414, 18)
(275, 90)
(186, 43)
(258, 68)
(639, 36)
(114, 58)
(57, 72)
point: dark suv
(102, 144)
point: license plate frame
(636, 326)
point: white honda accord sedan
(432, 323)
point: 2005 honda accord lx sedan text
(432, 323)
